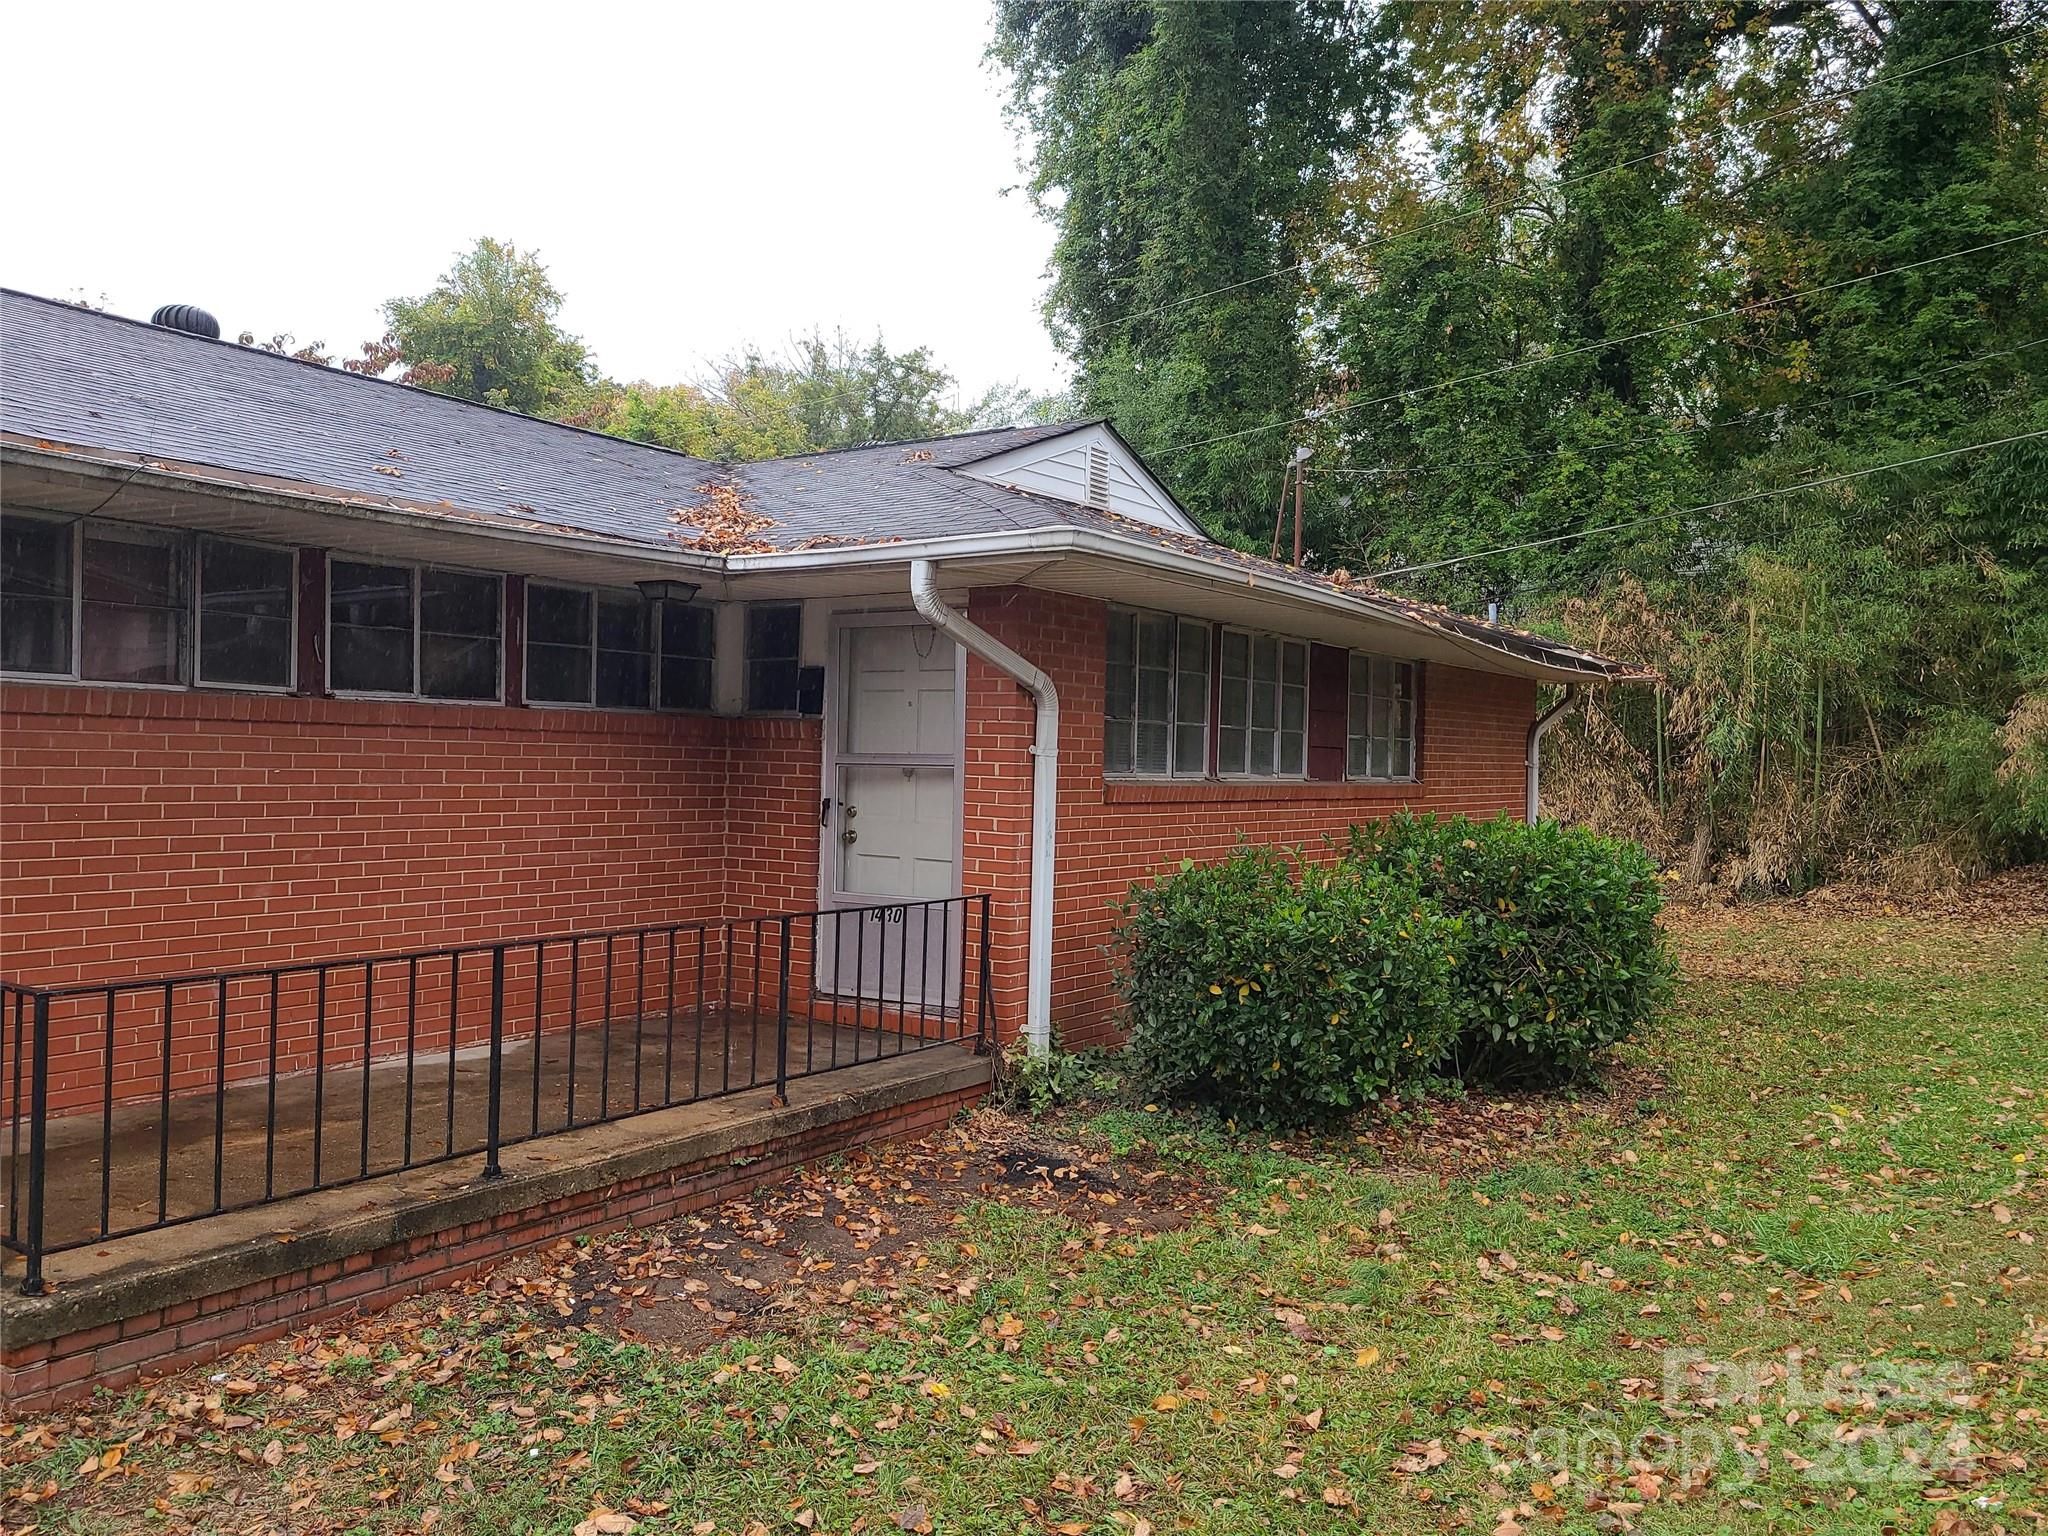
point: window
(460, 615)
(401, 629)
(615, 649)
(1155, 719)
(558, 645)
(245, 614)
(774, 652)
(1380, 738)
(625, 652)
(132, 605)
(1262, 725)
(117, 591)
(35, 594)
(688, 644)
(114, 603)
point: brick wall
(1474, 734)
(147, 832)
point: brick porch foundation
(185, 1296)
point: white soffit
(1089, 467)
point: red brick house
(298, 666)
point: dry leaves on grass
(841, 1246)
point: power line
(1603, 344)
(1692, 431)
(1360, 248)
(1707, 506)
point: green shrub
(1563, 954)
(1285, 992)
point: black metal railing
(138, 1104)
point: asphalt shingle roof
(81, 379)
(74, 376)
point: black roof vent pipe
(189, 318)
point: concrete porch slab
(99, 1287)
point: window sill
(1237, 791)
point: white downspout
(1045, 766)
(1537, 732)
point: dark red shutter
(1329, 693)
(515, 639)
(312, 625)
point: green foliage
(1039, 1084)
(1183, 149)
(1285, 992)
(1288, 992)
(823, 392)
(487, 332)
(1563, 955)
(1540, 267)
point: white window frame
(1252, 637)
(77, 604)
(416, 567)
(189, 653)
(291, 682)
(655, 654)
(1353, 730)
(1174, 722)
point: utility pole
(1300, 465)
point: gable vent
(1098, 477)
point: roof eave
(1496, 650)
(128, 468)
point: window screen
(774, 649)
(625, 652)
(459, 649)
(370, 619)
(245, 614)
(1380, 737)
(132, 605)
(559, 666)
(687, 647)
(1262, 727)
(35, 594)
(394, 629)
(1156, 696)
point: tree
(1525, 269)
(1181, 151)
(820, 392)
(487, 332)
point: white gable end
(1090, 468)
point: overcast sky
(695, 176)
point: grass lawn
(1141, 1322)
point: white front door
(892, 827)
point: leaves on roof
(726, 524)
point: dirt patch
(837, 1245)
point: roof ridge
(1073, 425)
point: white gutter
(1537, 732)
(1045, 774)
(1199, 569)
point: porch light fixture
(671, 591)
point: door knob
(849, 835)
